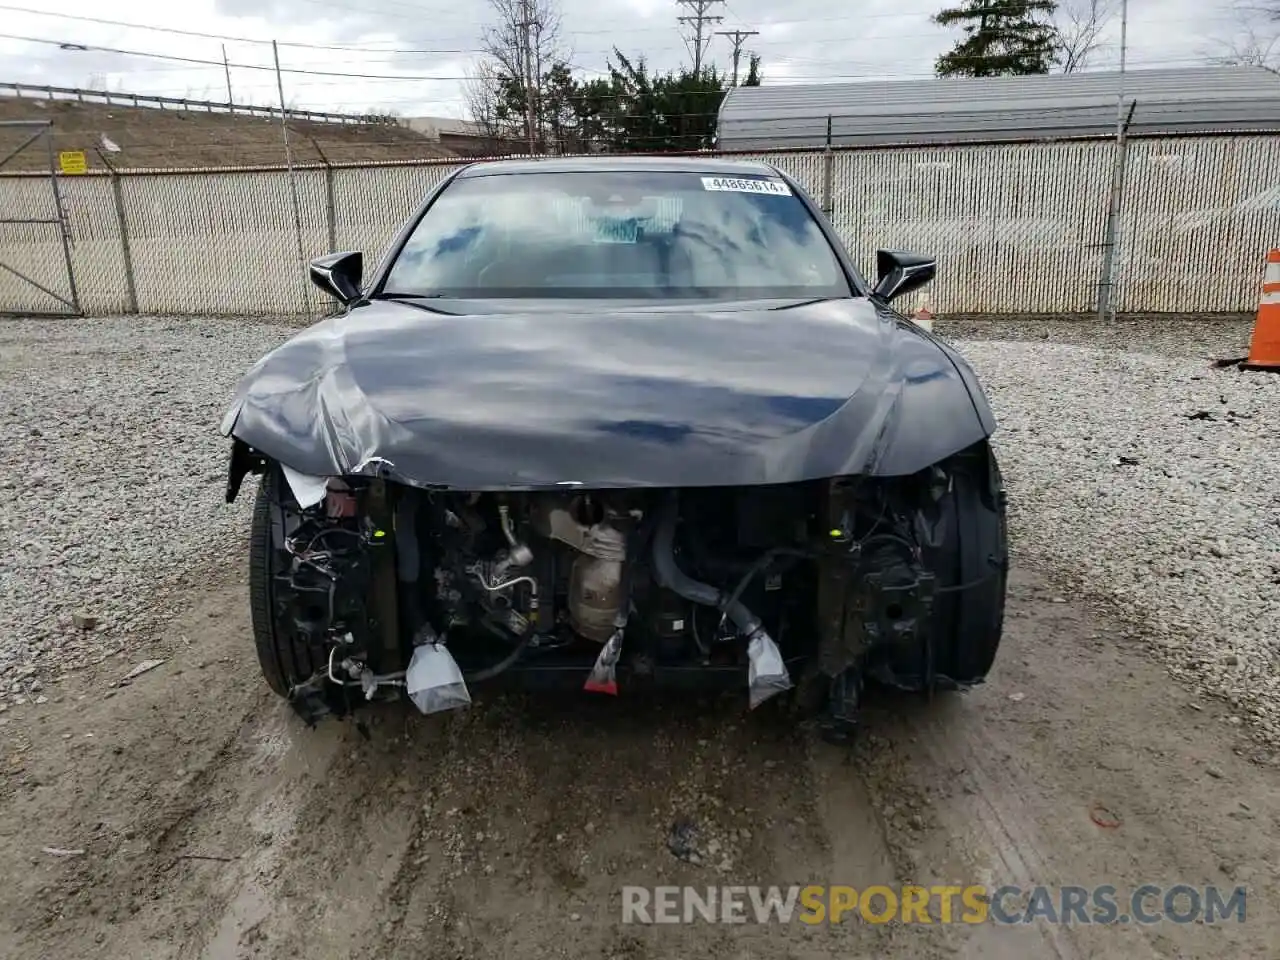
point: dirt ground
(148, 138)
(213, 824)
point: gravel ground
(112, 470)
(189, 814)
(1151, 482)
(1208, 337)
(1137, 474)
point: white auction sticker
(743, 185)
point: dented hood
(596, 395)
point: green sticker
(609, 230)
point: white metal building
(1217, 100)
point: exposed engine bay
(809, 586)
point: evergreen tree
(632, 109)
(636, 110)
(1002, 38)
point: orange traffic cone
(1264, 349)
(923, 315)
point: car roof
(621, 164)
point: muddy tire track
(529, 813)
(511, 829)
(1015, 770)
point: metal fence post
(125, 251)
(828, 175)
(331, 225)
(330, 221)
(329, 208)
(1111, 243)
(64, 224)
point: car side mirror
(339, 274)
(900, 273)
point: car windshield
(667, 235)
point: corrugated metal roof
(869, 113)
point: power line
(365, 61)
(357, 48)
(366, 10)
(875, 68)
(219, 36)
(736, 37)
(834, 77)
(82, 47)
(871, 65)
(701, 22)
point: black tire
(969, 623)
(971, 565)
(285, 661)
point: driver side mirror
(900, 273)
(339, 275)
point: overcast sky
(799, 41)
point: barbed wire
(576, 141)
(351, 132)
(253, 161)
(579, 123)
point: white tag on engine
(767, 674)
(434, 681)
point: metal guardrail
(34, 91)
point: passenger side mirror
(339, 274)
(900, 273)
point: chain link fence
(1017, 228)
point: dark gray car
(615, 422)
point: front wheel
(967, 553)
(285, 659)
(971, 563)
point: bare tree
(481, 90)
(1078, 26)
(487, 94)
(505, 91)
(1254, 40)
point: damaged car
(618, 423)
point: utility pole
(227, 69)
(701, 24)
(736, 37)
(525, 26)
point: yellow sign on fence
(72, 161)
